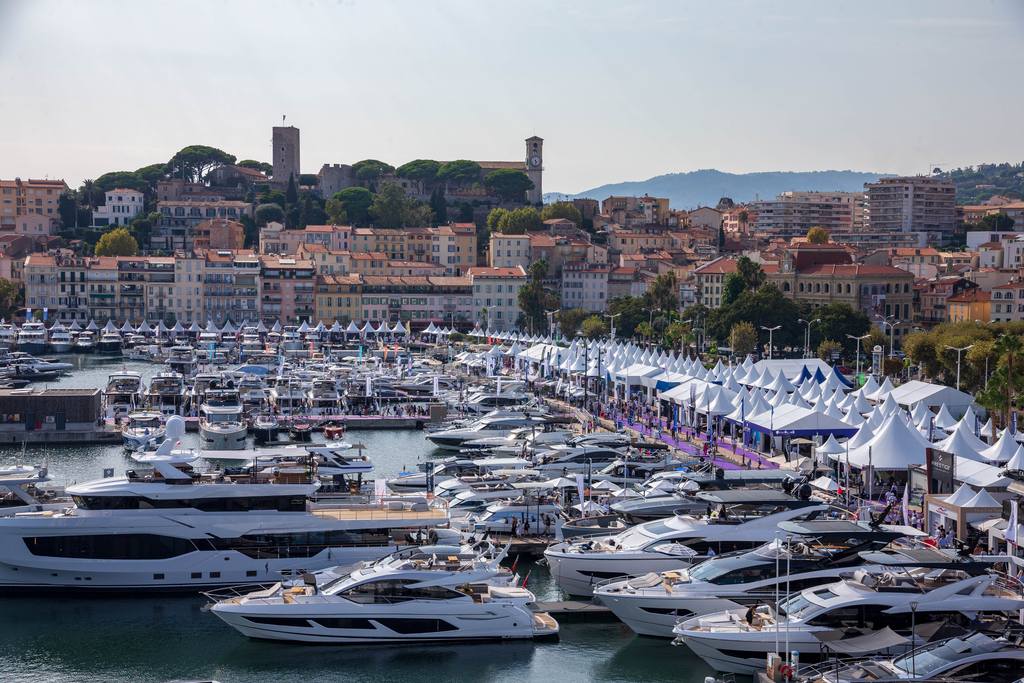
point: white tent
(931, 395)
(960, 497)
(92, 326)
(1002, 450)
(276, 327)
(178, 328)
(825, 484)
(963, 442)
(304, 327)
(194, 327)
(127, 327)
(895, 447)
(869, 388)
(881, 392)
(830, 447)
(982, 499)
(790, 420)
(943, 420)
(352, 328)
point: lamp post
(959, 350)
(650, 322)
(858, 340)
(549, 315)
(807, 335)
(612, 318)
(892, 330)
(771, 332)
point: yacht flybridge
(173, 528)
(433, 594)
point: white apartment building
(585, 286)
(120, 207)
(912, 204)
(496, 295)
(792, 214)
(509, 251)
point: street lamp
(612, 318)
(959, 350)
(858, 340)
(892, 330)
(807, 335)
(771, 331)
(549, 314)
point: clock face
(534, 161)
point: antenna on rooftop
(283, 117)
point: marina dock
(568, 609)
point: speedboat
(450, 468)
(145, 429)
(170, 527)
(813, 553)
(433, 594)
(32, 338)
(60, 339)
(742, 520)
(738, 641)
(566, 459)
(498, 423)
(220, 421)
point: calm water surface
(92, 640)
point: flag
(1011, 525)
(579, 487)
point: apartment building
(1007, 302)
(495, 301)
(931, 298)
(219, 233)
(912, 204)
(338, 297)
(792, 214)
(418, 300)
(179, 218)
(973, 304)
(509, 251)
(120, 207)
(632, 242)
(231, 285)
(585, 286)
(710, 278)
(287, 289)
(21, 197)
(188, 293)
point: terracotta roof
(484, 271)
(971, 296)
(853, 270)
(720, 266)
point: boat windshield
(332, 586)
(932, 659)
(730, 570)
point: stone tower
(535, 168)
(286, 154)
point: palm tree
(1008, 346)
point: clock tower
(535, 168)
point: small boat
(300, 431)
(144, 430)
(333, 432)
(265, 428)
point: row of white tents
(160, 328)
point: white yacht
(144, 430)
(32, 338)
(289, 396)
(576, 459)
(167, 393)
(817, 552)
(450, 468)
(60, 339)
(221, 427)
(253, 392)
(528, 515)
(172, 528)
(86, 342)
(435, 594)
(742, 520)
(265, 428)
(109, 344)
(323, 397)
(124, 392)
(8, 336)
(738, 641)
(486, 402)
(497, 423)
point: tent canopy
(791, 420)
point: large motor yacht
(32, 338)
(8, 336)
(740, 520)
(433, 594)
(915, 599)
(813, 553)
(167, 393)
(124, 392)
(110, 343)
(221, 427)
(496, 423)
(86, 342)
(60, 339)
(172, 528)
(289, 396)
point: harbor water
(61, 639)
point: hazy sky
(619, 90)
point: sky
(619, 90)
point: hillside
(976, 184)
(705, 187)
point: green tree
(267, 213)
(312, 212)
(459, 172)
(534, 300)
(509, 184)
(565, 210)
(594, 327)
(630, 313)
(291, 195)
(675, 334)
(11, 298)
(423, 170)
(368, 171)
(351, 205)
(117, 242)
(152, 173)
(996, 222)
(519, 221)
(439, 205)
(742, 338)
(195, 161)
(645, 330)
(495, 217)
(391, 208)
(827, 348)
(837, 321)
(764, 307)
(116, 179)
(663, 294)
(817, 235)
(753, 276)
(875, 338)
(732, 288)
(141, 230)
(261, 166)
(1008, 347)
(570, 319)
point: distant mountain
(706, 187)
